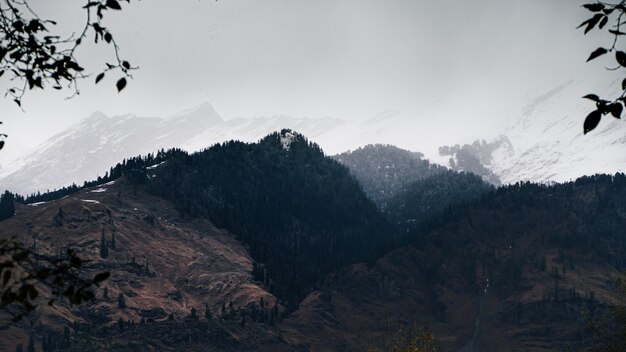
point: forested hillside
(385, 171)
(426, 200)
(521, 269)
(302, 214)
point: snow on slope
(545, 142)
(549, 144)
(87, 149)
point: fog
(458, 69)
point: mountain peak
(203, 114)
(96, 117)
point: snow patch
(155, 166)
(286, 138)
(90, 201)
(36, 204)
(99, 190)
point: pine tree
(207, 312)
(243, 318)
(113, 240)
(58, 219)
(274, 314)
(121, 302)
(31, 343)
(66, 337)
(7, 208)
(104, 251)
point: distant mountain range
(543, 142)
(87, 149)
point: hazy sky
(456, 60)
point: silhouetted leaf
(596, 53)
(620, 56)
(18, 25)
(603, 22)
(616, 110)
(603, 106)
(108, 37)
(590, 23)
(126, 65)
(101, 277)
(1, 144)
(613, 31)
(624, 84)
(99, 77)
(75, 262)
(113, 4)
(121, 83)
(20, 257)
(594, 7)
(32, 292)
(592, 121)
(1, 73)
(592, 97)
(43, 273)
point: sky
(463, 65)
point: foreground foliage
(25, 273)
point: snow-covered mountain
(87, 149)
(545, 141)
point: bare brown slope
(189, 263)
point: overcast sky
(351, 59)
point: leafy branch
(602, 14)
(24, 272)
(33, 56)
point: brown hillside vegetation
(162, 264)
(490, 279)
